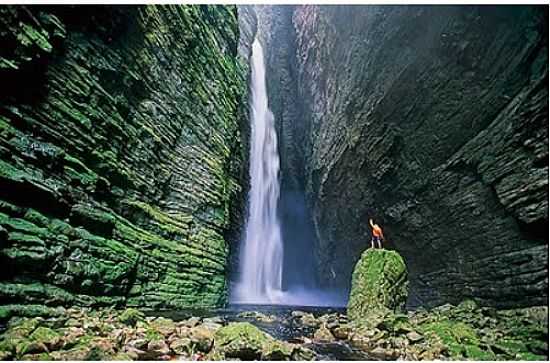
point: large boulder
(379, 282)
(246, 342)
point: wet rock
(305, 319)
(258, 316)
(214, 320)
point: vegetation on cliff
(121, 155)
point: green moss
(36, 218)
(379, 281)
(455, 335)
(28, 310)
(37, 357)
(276, 350)
(240, 340)
(474, 352)
(30, 35)
(102, 132)
(131, 317)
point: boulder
(246, 342)
(276, 350)
(181, 346)
(379, 282)
(323, 334)
(240, 340)
(201, 338)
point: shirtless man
(376, 234)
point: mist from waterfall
(260, 277)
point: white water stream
(261, 259)
(261, 256)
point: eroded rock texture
(121, 154)
(433, 120)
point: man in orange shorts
(376, 234)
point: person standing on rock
(377, 234)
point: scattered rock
(323, 334)
(202, 338)
(414, 337)
(181, 346)
(305, 319)
(156, 349)
(192, 322)
(341, 331)
(303, 354)
(164, 326)
(276, 350)
(214, 320)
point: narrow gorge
(196, 182)
(434, 121)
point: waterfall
(261, 258)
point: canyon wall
(433, 120)
(122, 155)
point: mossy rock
(460, 339)
(131, 317)
(246, 342)
(38, 357)
(379, 281)
(276, 350)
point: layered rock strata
(433, 120)
(121, 154)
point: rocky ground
(447, 332)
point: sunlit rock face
(121, 154)
(431, 120)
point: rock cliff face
(121, 154)
(433, 120)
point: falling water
(261, 259)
